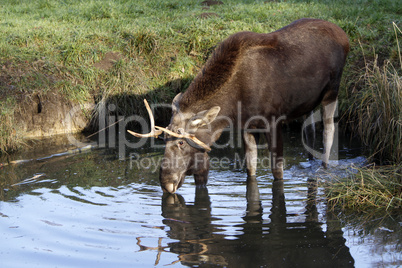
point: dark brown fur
(250, 82)
(219, 68)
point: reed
(377, 111)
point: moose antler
(154, 133)
(185, 135)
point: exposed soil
(37, 112)
(46, 115)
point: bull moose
(280, 75)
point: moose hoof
(325, 165)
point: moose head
(187, 138)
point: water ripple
(63, 218)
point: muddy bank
(44, 115)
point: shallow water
(94, 209)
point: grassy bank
(123, 51)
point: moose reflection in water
(275, 244)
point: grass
(372, 190)
(375, 112)
(378, 110)
(53, 46)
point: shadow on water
(275, 244)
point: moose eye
(181, 143)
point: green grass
(53, 46)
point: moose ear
(205, 117)
(175, 103)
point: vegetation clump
(371, 190)
(376, 110)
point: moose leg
(200, 179)
(250, 144)
(329, 130)
(309, 133)
(202, 167)
(275, 144)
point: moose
(256, 79)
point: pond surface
(95, 209)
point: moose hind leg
(250, 144)
(309, 134)
(329, 130)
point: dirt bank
(43, 115)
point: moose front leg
(250, 144)
(201, 168)
(275, 145)
(201, 179)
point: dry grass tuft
(371, 188)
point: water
(92, 209)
